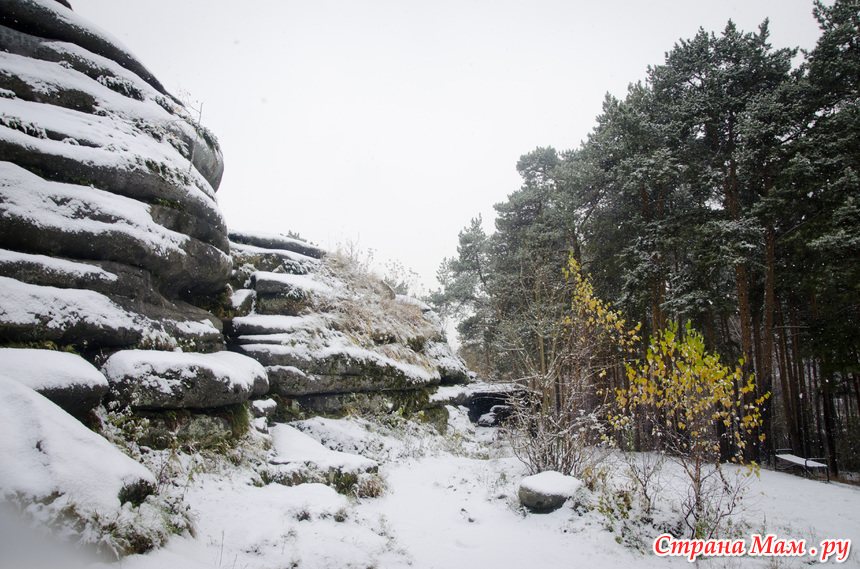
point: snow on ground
(790, 505)
(451, 503)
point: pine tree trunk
(746, 345)
(798, 383)
(731, 186)
(857, 391)
(756, 433)
(764, 384)
(788, 384)
(829, 412)
(815, 387)
(710, 323)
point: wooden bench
(788, 460)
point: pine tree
(711, 86)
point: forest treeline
(722, 193)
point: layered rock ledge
(109, 229)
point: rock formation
(108, 219)
(113, 249)
(333, 338)
(111, 240)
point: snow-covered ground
(451, 502)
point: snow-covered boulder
(296, 371)
(279, 242)
(299, 459)
(256, 328)
(198, 429)
(547, 491)
(148, 379)
(297, 287)
(44, 18)
(68, 220)
(87, 318)
(456, 395)
(250, 258)
(107, 188)
(66, 379)
(490, 398)
(48, 457)
(494, 416)
(290, 445)
(452, 368)
(263, 408)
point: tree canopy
(721, 193)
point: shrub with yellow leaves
(685, 403)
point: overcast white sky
(391, 123)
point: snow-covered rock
(256, 325)
(450, 395)
(254, 258)
(66, 379)
(242, 301)
(48, 19)
(484, 397)
(298, 371)
(297, 287)
(334, 337)
(279, 242)
(494, 416)
(68, 220)
(107, 193)
(299, 459)
(148, 379)
(404, 401)
(290, 445)
(547, 491)
(452, 368)
(47, 453)
(87, 318)
(263, 408)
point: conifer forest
(719, 199)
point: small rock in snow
(547, 491)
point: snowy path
(443, 510)
(451, 513)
